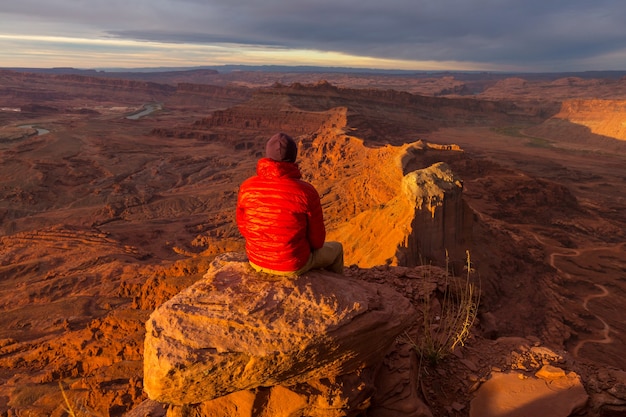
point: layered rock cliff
(602, 117)
(64, 89)
(389, 204)
(425, 221)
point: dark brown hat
(281, 147)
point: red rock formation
(602, 117)
(236, 330)
(550, 392)
(381, 215)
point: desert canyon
(118, 191)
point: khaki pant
(329, 256)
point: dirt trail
(605, 331)
(606, 337)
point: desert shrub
(73, 409)
(69, 408)
(448, 319)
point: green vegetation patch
(538, 142)
(516, 132)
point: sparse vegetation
(447, 324)
(83, 411)
(69, 409)
(538, 142)
(516, 132)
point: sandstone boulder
(552, 393)
(238, 330)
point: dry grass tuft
(448, 320)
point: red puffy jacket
(280, 216)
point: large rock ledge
(237, 330)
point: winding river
(146, 110)
(40, 131)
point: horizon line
(301, 68)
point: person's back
(280, 216)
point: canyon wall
(602, 117)
(379, 213)
(63, 90)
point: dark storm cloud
(535, 34)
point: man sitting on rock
(280, 216)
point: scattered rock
(148, 408)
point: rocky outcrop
(394, 205)
(239, 340)
(442, 220)
(267, 114)
(426, 219)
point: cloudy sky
(493, 35)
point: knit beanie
(281, 147)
